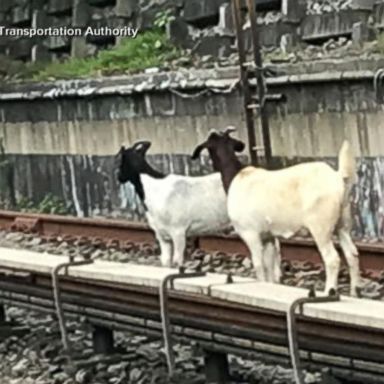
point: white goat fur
(181, 206)
(310, 195)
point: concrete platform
(29, 261)
(368, 313)
(100, 270)
(204, 285)
(365, 312)
(141, 275)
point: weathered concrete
(62, 137)
(202, 12)
(59, 6)
(274, 297)
(331, 25)
(202, 22)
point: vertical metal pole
(261, 89)
(293, 343)
(164, 313)
(249, 118)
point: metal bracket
(249, 71)
(164, 311)
(292, 327)
(56, 295)
(377, 81)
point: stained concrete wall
(65, 143)
(313, 122)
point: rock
(179, 33)
(293, 10)
(286, 43)
(362, 4)
(53, 368)
(81, 13)
(206, 58)
(135, 375)
(192, 265)
(59, 6)
(247, 263)
(202, 13)
(126, 8)
(152, 70)
(189, 366)
(21, 367)
(14, 236)
(5, 5)
(122, 366)
(148, 353)
(60, 377)
(83, 376)
(147, 16)
(207, 259)
(226, 25)
(361, 33)
(20, 14)
(34, 241)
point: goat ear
(197, 151)
(142, 146)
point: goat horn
(141, 142)
(229, 130)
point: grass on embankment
(148, 49)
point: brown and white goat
(311, 195)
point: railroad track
(241, 317)
(117, 232)
(122, 306)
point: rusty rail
(118, 232)
(244, 78)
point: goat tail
(347, 163)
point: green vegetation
(50, 204)
(380, 43)
(148, 49)
(163, 18)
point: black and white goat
(311, 195)
(176, 206)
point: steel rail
(213, 322)
(120, 232)
(235, 320)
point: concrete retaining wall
(62, 138)
(204, 25)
